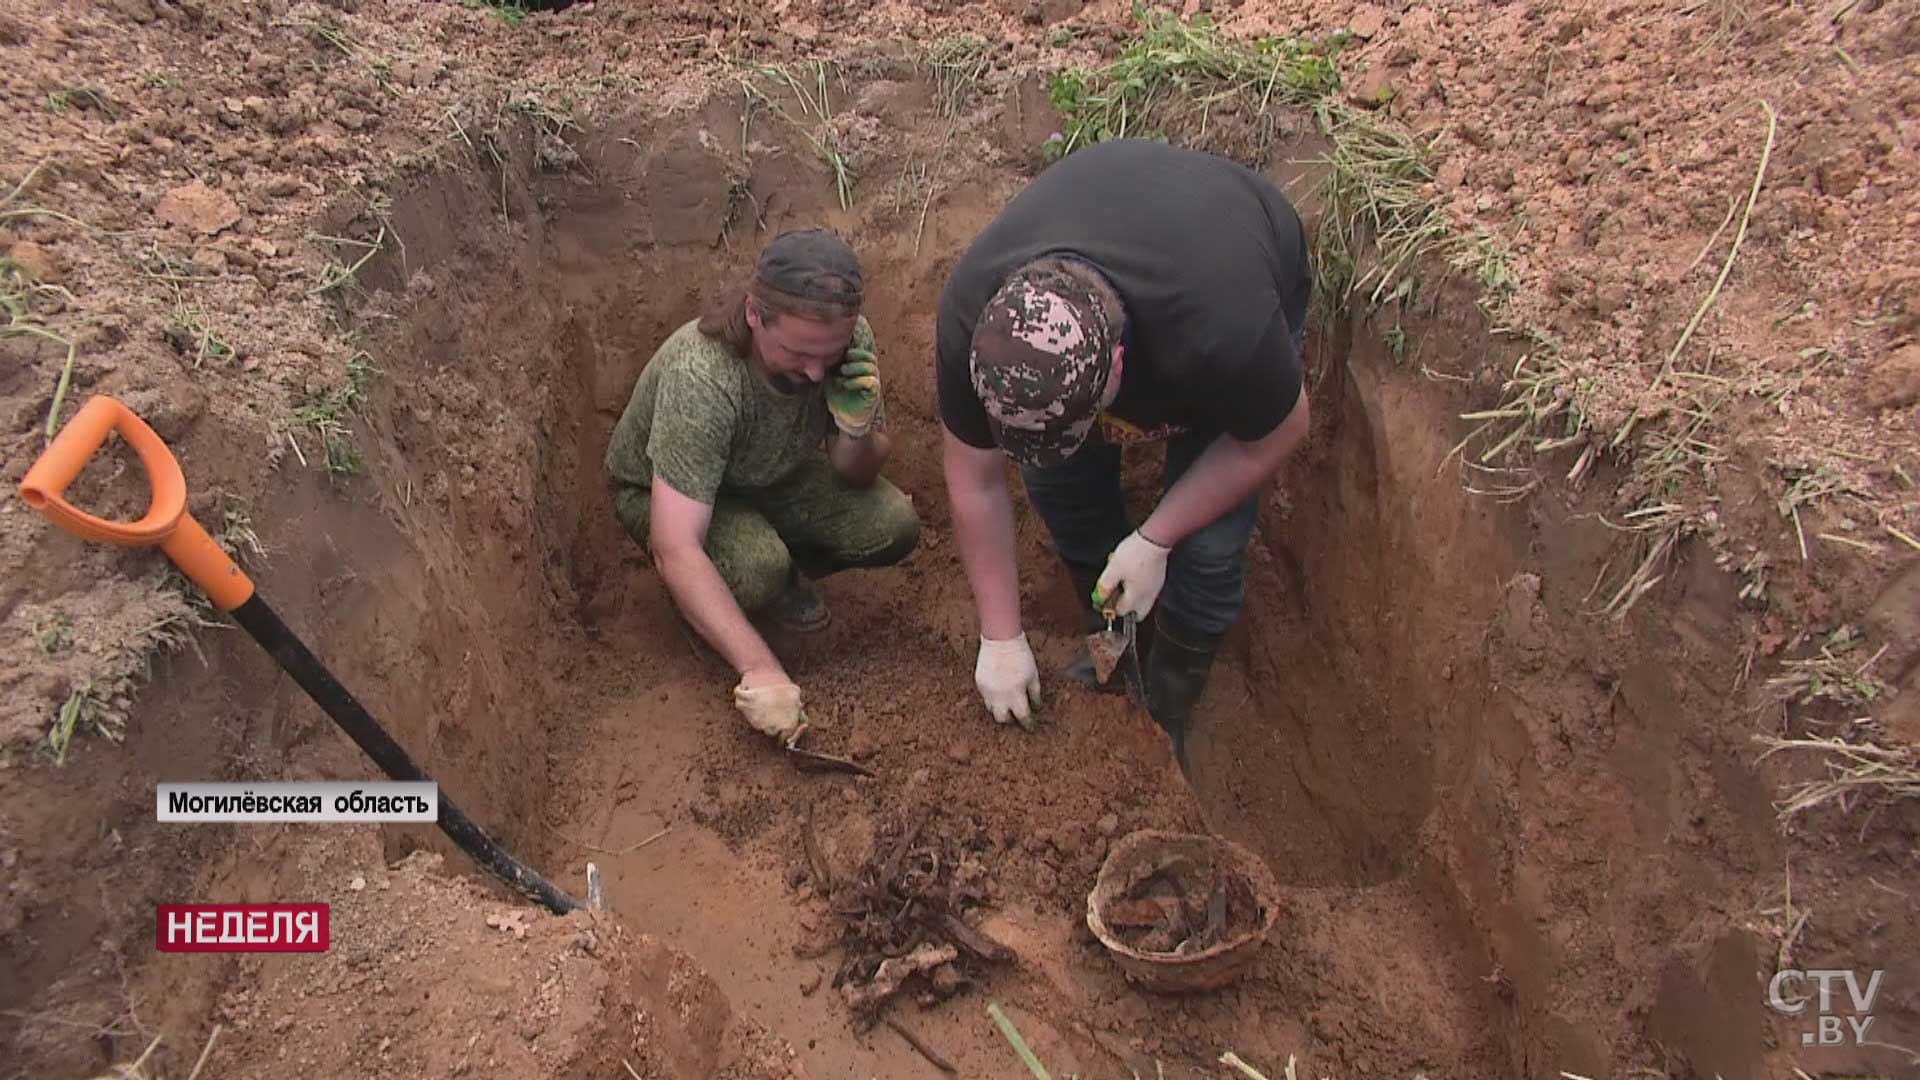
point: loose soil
(1515, 837)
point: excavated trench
(1468, 789)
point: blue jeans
(1080, 502)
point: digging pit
(1500, 851)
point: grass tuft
(327, 33)
(18, 292)
(510, 12)
(327, 414)
(188, 330)
(815, 123)
(1856, 772)
(334, 273)
(81, 97)
(1836, 674)
(1181, 76)
(958, 62)
(1175, 71)
(100, 703)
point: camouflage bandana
(1039, 365)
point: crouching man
(748, 462)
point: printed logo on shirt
(1118, 432)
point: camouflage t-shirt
(705, 423)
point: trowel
(1107, 647)
(816, 761)
(1119, 641)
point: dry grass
(328, 33)
(1836, 674)
(100, 701)
(1790, 923)
(20, 291)
(958, 63)
(334, 273)
(1672, 465)
(812, 91)
(140, 1069)
(190, 330)
(1856, 773)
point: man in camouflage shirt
(748, 460)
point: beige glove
(773, 710)
(1136, 571)
(1008, 680)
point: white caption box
(317, 801)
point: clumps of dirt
(1610, 150)
(576, 995)
(1182, 905)
(903, 916)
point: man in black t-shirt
(1133, 292)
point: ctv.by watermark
(1787, 994)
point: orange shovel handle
(166, 523)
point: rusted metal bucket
(1141, 855)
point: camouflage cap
(812, 264)
(1041, 355)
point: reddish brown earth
(1515, 836)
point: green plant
(510, 12)
(1175, 70)
(327, 412)
(54, 633)
(1395, 338)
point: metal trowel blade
(1105, 648)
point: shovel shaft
(167, 525)
(293, 656)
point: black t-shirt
(1209, 258)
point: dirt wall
(1518, 836)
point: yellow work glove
(853, 393)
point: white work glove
(1136, 570)
(772, 710)
(1008, 679)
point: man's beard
(788, 385)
